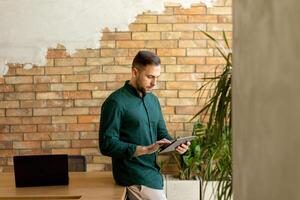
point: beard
(140, 88)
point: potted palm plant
(210, 155)
(215, 139)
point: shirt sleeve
(109, 132)
(162, 131)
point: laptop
(41, 170)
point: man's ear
(134, 71)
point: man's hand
(142, 150)
(181, 149)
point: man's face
(146, 79)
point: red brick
(75, 111)
(84, 143)
(49, 95)
(80, 127)
(114, 85)
(190, 11)
(174, 126)
(176, 35)
(190, 77)
(32, 71)
(88, 103)
(31, 87)
(89, 135)
(23, 128)
(7, 153)
(11, 137)
(36, 136)
(117, 69)
(180, 118)
(70, 62)
(192, 44)
(9, 104)
(146, 19)
(35, 151)
(167, 60)
(123, 77)
(91, 86)
(65, 136)
(173, 19)
(59, 103)
(116, 36)
(63, 86)
(59, 70)
(52, 128)
(94, 110)
(90, 151)
(171, 52)
(19, 96)
(18, 80)
(18, 112)
(86, 53)
(100, 61)
(146, 36)
(75, 78)
(66, 151)
(189, 27)
(2, 112)
(36, 120)
(168, 110)
(104, 44)
(215, 60)
(182, 85)
(114, 52)
(47, 79)
(190, 60)
(7, 88)
(159, 27)
(77, 95)
(10, 120)
(64, 119)
(87, 69)
(130, 44)
(203, 19)
(186, 110)
(101, 94)
(55, 144)
(166, 93)
(137, 27)
(57, 53)
(103, 77)
(4, 128)
(88, 119)
(161, 44)
(47, 111)
(27, 145)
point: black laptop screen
(41, 170)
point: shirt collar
(131, 89)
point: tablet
(172, 146)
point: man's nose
(154, 81)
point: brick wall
(55, 108)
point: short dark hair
(144, 58)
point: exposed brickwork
(55, 108)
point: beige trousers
(141, 192)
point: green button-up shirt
(128, 120)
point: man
(132, 129)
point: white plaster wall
(29, 27)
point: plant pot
(182, 189)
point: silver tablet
(172, 146)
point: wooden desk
(83, 186)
